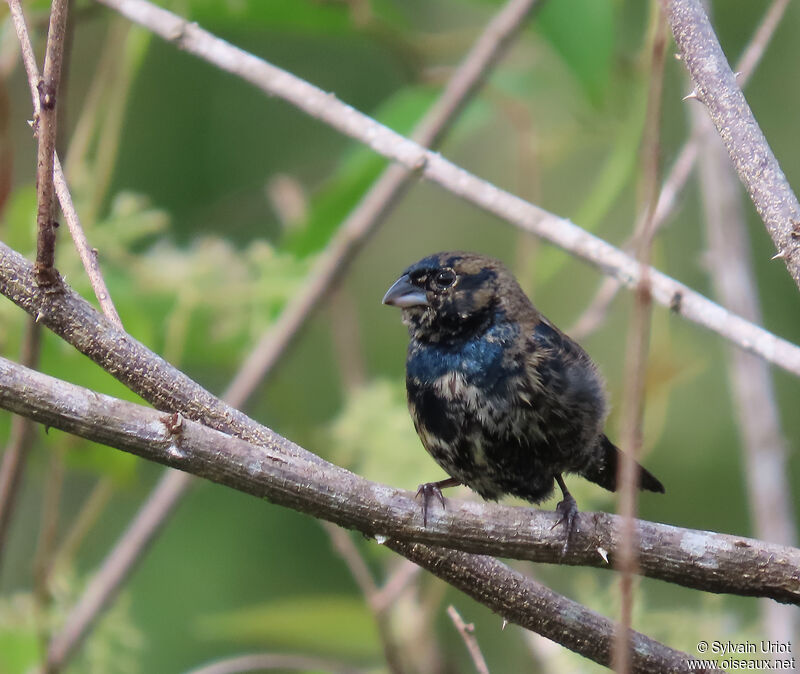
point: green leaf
(582, 32)
(335, 625)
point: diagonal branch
(715, 86)
(697, 559)
(559, 231)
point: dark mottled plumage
(501, 398)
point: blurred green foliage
(208, 204)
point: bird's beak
(404, 294)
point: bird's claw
(568, 509)
(429, 490)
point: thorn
(780, 255)
(691, 96)
(31, 123)
(40, 315)
(678, 56)
(603, 553)
(737, 75)
(505, 622)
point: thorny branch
(715, 86)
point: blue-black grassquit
(501, 398)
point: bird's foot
(568, 509)
(428, 491)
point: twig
(638, 343)
(375, 206)
(758, 169)
(87, 254)
(681, 169)
(467, 633)
(752, 388)
(20, 438)
(327, 108)
(262, 661)
(702, 560)
(46, 127)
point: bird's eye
(445, 278)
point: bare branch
(46, 128)
(703, 560)
(327, 108)
(467, 632)
(758, 169)
(376, 205)
(87, 254)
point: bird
(504, 401)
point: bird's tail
(603, 469)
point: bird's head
(449, 296)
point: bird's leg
(431, 489)
(568, 509)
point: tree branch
(87, 254)
(702, 560)
(715, 85)
(46, 131)
(559, 231)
